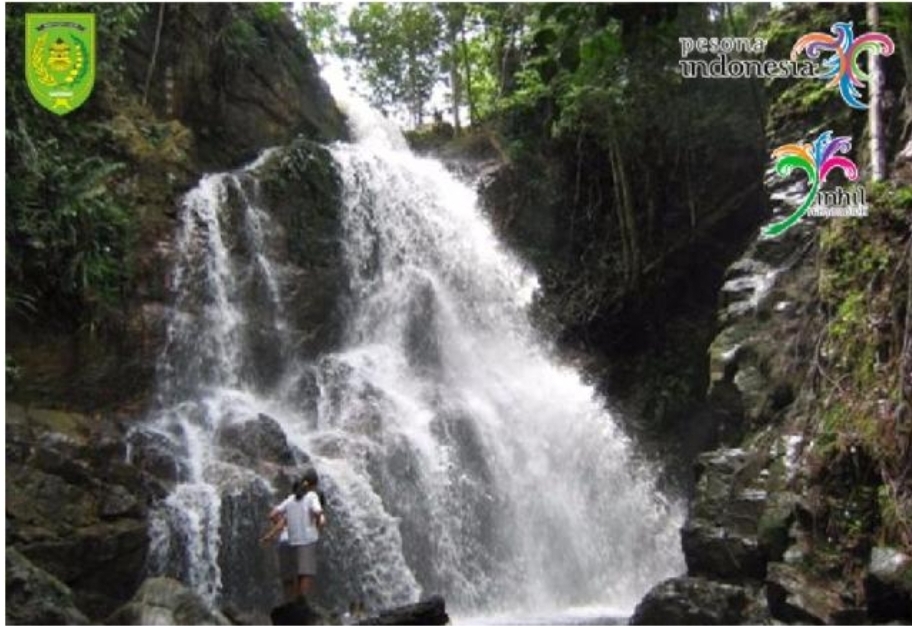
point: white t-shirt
(301, 518)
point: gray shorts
(297, 561)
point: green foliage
(268, 11)
(891, 202)
(398, 47)
(64, 226)
(13, 373)
(322, 29)
(239, 40)
(850, 317)
(863, 285)
(68, 231)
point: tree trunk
(619, 209)
(630, 220)
(875, 125)
(456, 88)
(470, 100)
(151, 70)
(626, 215)
(453, 27)
(905, 367)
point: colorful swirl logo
(817, 159)
(842, 68)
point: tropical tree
(398, 46)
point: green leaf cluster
(398, 46)
(864, 286)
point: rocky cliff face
(75, 516)
(796, 519)
(239, 76)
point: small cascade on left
(227, 320)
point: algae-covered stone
(773, 527)
(692, 601)
(33, 596)
(165, 601)
(796, 597)
(888, 585)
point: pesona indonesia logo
(818, 159)
(742, 57)
(727, 64)
(842, 68)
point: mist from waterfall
(459, 455)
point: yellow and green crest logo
(60, 59)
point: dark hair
(310, 476)
(298, 489)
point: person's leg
(288, 570)
(307, 568)
(305, 585)
(289, 589)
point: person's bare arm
(278, 523)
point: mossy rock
(302, 190)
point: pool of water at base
(577, 616)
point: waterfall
(459, 454)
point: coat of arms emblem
(60, 59)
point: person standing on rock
(288, 568)
(304, 518)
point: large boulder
(299, 612)
(249, 569)
(430, 611)
(165, 601)
(302, 191)
(797, 597)
(35, 597)
(257, 440)
(689, 600)
(158, 454)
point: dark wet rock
(165, 601)
(302, 190)
(299, 612)
(237, 96)
(429, 611)
(726, 408)
(33, 596)
(249, 569)
(261, 439)
(717, 552)
(693, 601)
(119, 502)
(796, 597)
(157, 454)
(720, 536)
(75, 507)
(102, 563)
(775, 522)
(888, 585)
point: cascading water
(458, 454)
